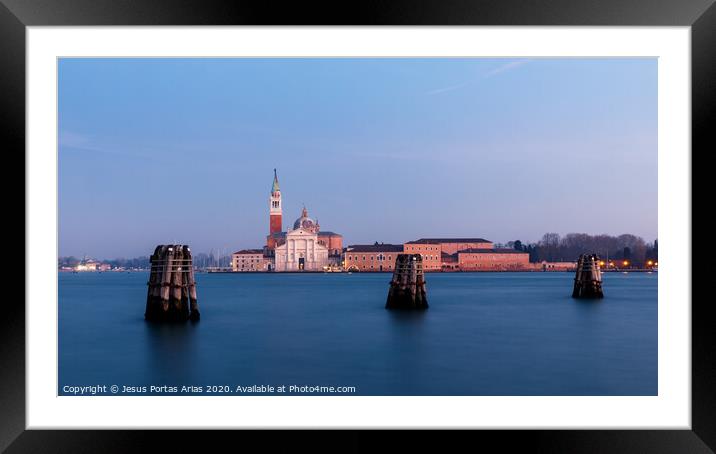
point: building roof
(491, 251)
(250, 251)
(375, 248)
(321, 233)
(283, 234)
(448, 240)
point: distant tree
(552, 247)
(549, 247)
(533, 251)
(518, 245)
(67, 261)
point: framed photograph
(470, 216)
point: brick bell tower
(275, 207)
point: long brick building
(439, 254)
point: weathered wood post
(407, 288)
(190, 287)
(588, 279)
(153, 292)
(171, 293)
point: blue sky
(160, 150)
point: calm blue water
(484, 334)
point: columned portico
(301, 252)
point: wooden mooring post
(171, 293)
(407, 288)
(588, 279)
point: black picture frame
(16, 15)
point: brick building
(429, 249)
(453, 245)
(492, 260)
(373, 257)
(249, 260)
(466, 254)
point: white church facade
(301, 252)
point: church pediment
(300, 232)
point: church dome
(306, 223)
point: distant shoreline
(364, 272)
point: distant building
(492, 260)
(449, 262)
(87, 265)
(249, 260)
(300, 249)
(374, 257)
(430, 250)
(558, 266)
(466, 254)
(453, 245)
(331, 240)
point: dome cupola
(306, 223)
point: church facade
(304, 247)
(301, 250)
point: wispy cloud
(73, 140)
(68, 140)
(506, 67)
(399, 155)
(438, 153)
(500, 69)
(444, 89)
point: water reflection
(406, 317)
(172, 351)
(484, 334)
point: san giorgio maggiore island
(304, 247)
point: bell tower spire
(275, 187)
(275, 209)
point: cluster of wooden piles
(171, 295)
(588, 279)
(407, 288)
